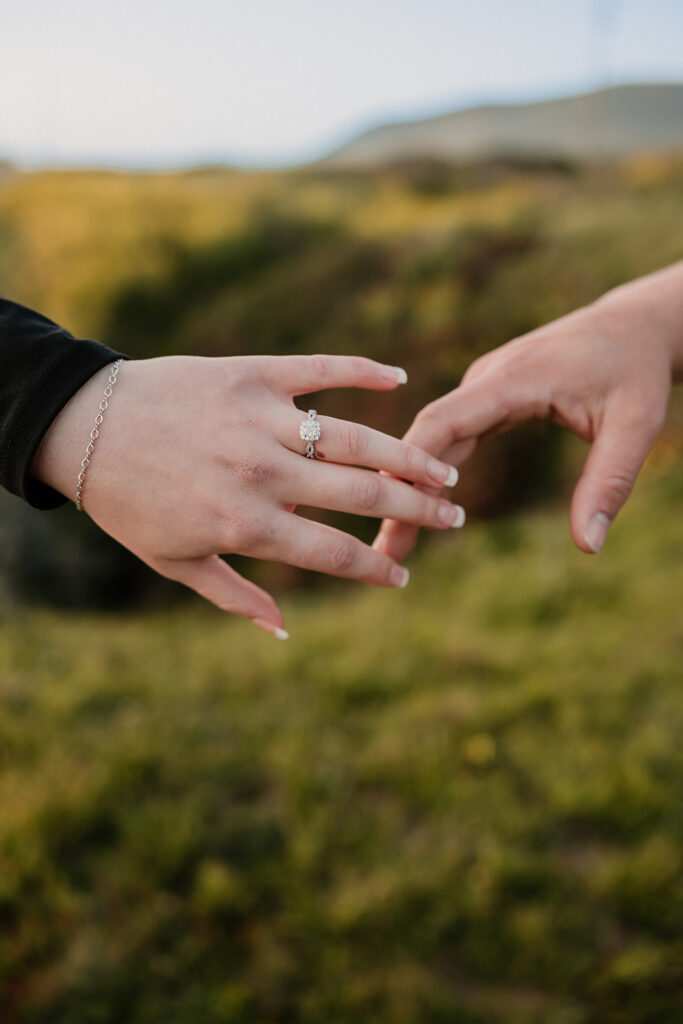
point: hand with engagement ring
(198, 457)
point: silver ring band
(309, 431)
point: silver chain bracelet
(95, 432)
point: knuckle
(251, 537)
(235, 374)
(619, 484)
(520, 356)
(414, 460)
(367, 492)
(479, 367)
(353, 440)
(426, 508)
(242, 531)
(647, 421)
(430, 413)
(342, 555)
(438, 418)
(253, 473)
(319, 370)
(657, 413)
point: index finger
(467, 412)
(301, 375)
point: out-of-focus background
(456, 803)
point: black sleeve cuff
(41, 367)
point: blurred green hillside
(454, 803)
(422, 264)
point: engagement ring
(309, 431)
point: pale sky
(169, 82)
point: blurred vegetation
(458, 802)
(422, 264)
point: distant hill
(609, 123)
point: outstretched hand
(200, 457)
(604, 372)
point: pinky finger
(214, 580)
(322, 548)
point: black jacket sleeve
(41, 367)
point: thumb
(215, 580)
(608, 477)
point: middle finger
(317, 484)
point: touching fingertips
(441, 473)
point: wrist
(651, 307)
(57, 461)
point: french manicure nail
(451, 515)
(396, 374)
(460, 517)
(399, 576)
(271, 628)
(596, 531)
(441, 473)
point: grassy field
(456, 803)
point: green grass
(460, 802)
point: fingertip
(379, 544)
(396, 540)
(392, 376)
(268, 612)
(581, 534)
(382, 541)
(595, 533)
(588, 528)
(272, 628)
(399, 576)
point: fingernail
(396, 374)
(452, 515)
(596, 531)
(399, 576)
(271, 628)
(441, 473)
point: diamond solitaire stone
(309, 430)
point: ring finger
(357, 445)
